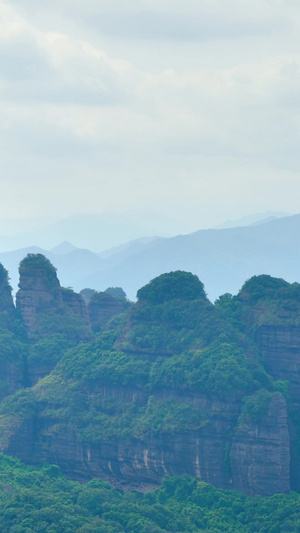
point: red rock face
(40, 293)
(258, 462)
(280, 349)
(37, 293)
(41, 298)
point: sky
(186, 111)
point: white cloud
(70, 108)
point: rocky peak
(43, 303)
(39, 289)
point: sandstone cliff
(280, 349)
(260, 452)
(102, 307)
(182, 388)
(39, 291)
(253, 459)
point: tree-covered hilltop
(43, 501)
(262, 300)
(37, 262)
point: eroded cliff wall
(168, 395)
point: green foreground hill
(43, 501)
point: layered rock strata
(254, 459)
(280, 349)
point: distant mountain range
(97, 232)
(222, 258)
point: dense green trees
(36, 262)
(262, 300)
(175, 285)
(43, 501)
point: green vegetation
(49, 350)
(176, 325)
(80, 389)
(53, 322)
(219, 369)
(36, 262)
(255, 406)
(263, 286)
(175, 285)
(170, 364)
(116, 292)
(4, 278)
(195, 349)
(43, 501)
(262, 300)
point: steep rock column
(39, 290)
(280, 348)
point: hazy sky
(191, 108)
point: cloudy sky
(190, 109)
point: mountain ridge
(223, 258)
(170, 385)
